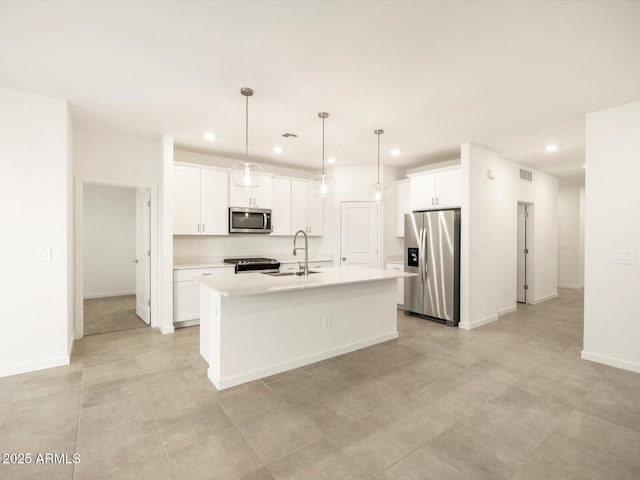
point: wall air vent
(287, 135)
(526, 175)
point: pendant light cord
(323, 146)
(378, 159)
(246, 129)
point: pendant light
(378, 190)
(323, 185)
(246, 174)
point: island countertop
(257, 283)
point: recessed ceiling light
(395, 152)
(584, 166)
(551, 148)
(209, 136)
(331, 160)
(277, 149)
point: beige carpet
(111, 314)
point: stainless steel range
(250, 265)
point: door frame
(529, 261)
(379, 232)
(79, 247)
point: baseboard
(477, 323)
(504, 311)
(187, 323)
(566, 285)
(32, 367)
(229, 382)
(110, 294)
(612, 362)
(165, 330)
(545, 298)
(70, 350)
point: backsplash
(227, 246)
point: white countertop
(181, 263)
(258, 283)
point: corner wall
(611, 309)
(571, 247)
(489, 235)
(34, 205)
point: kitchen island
(254, 325)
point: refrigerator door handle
(425, 256)
(422, 257)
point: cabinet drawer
(314, 265)
(188, 274)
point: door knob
(135, 261)
(344, 259)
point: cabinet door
(423, 192)
(214, 207)
(316, 215)
(449, 188)
(240, 196)
(281, 208)
(400, 288)
(403, 205)
(186, 301)
(262, 194)
(299, 205)
(186, 201)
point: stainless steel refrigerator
(432, 250)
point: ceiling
(509, 76)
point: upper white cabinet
(315, 218)
(403, 204)
(281, 206)
(299, 205)
(200, 201)
(437, 189)
(259, 197)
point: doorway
(116, 277)
(359, 235)
(523, 249)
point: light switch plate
(623, 257)
(44, 255)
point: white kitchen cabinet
(316, 215)
(313, 265)
(259, 197)
(186, 292)
(400, 292)
(436, 189)
(403, 204)
(200, 201)
(299, 205)
(281, 206)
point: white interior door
(521, 285)
(143, 254)
(359, 234)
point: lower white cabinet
(400, 291)
(186, 291)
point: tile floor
(111, 314)
(511, 400)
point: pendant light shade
(323, 185)
(246, 174)
(378, 191)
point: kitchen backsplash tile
(193, 246)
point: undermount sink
(288, 274)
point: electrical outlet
(504, 293)
(45, 254)
(326, 321)
(192, 246)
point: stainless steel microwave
(249, 220)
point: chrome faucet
(306, 251)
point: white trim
(478, 323)
(221, 384)
(110, 294)
(544, 299)
(566, 285)
(612, 362)
(70, 349)
(32, 367)
(165, 330)
(504, 311)
(79, 246)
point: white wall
(611, 309)
(122, 160)
(571, 223)
(109, 236)
(489, 233)
(34, 196)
